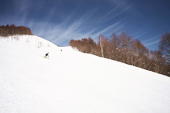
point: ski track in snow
(74, 82)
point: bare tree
(164, 46)
(101, 38)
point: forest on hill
(124, 48)
(14, 30)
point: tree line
(124, 48)
(14, 30)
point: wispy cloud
(22, 6)
(125, 9)
(118, 9)
(113, 26)
(64, 31)
(151, 41)
(110, 12)
(141, 33)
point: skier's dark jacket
(46, 54)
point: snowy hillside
(74, 82)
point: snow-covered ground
(74, 82)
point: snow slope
(74, 82)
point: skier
(47, 55)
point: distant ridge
(14, 30)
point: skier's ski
(46, 57)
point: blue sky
(59, 21)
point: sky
(59, 21)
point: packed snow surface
(74, 82)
